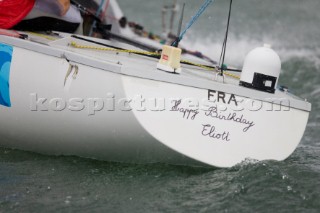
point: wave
(239, 47)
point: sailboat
(65, 94)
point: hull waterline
(114, 107)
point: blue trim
(5, 64)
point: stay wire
(224, 46)
(192, 21)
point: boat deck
(131, 61)
(95, 53)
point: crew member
(39, 15)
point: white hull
(105, 126)
(107, 135)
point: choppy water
(34, 183)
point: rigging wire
(192, 21)
(176, 44)
(224, 46)
(98, 12)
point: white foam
(239, 47)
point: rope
(193, 20)
(198, 65)
(208, 68)
(42, 36)
(74, 44)
(231, 75)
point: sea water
(36, 183)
